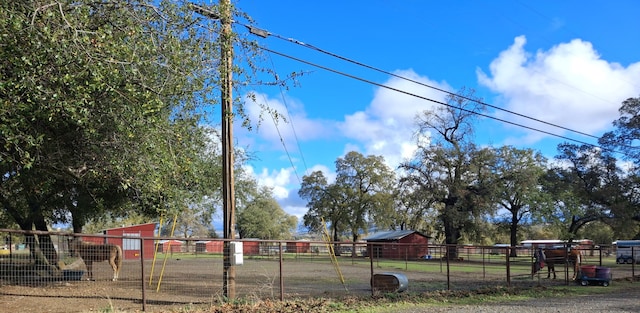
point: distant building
(130, 244)
(298, 247)
(165, 246)
(209, 246)
(398, 244)
(556, 243)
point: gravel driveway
(615, 302)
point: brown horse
(562, 256)
(91, 252)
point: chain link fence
(159, 274)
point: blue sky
(569, 63)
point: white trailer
(627, 251)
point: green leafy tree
(601, 233)
(367, 184)
(517, 187)
(262, 217)
(587, 185)
(448, 167)
(362, 195)
(414, 209)
(624, 138)
(100, 110)
(326, 203)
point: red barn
(251, 247)
(298, 246)
(209, 246)
(165, 246)
(398, 244)
(130, 247)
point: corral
(191, 278)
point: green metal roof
(391, 235)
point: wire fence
(168, 273)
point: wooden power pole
(228, 190)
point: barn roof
(130, 226)
(392, 235)
(172, 241)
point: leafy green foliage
(367, 186)
(517, 186)
(361, 195)
(262, 217)
(588, 186)
(449, 168)
(326, 204)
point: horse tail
(118, 259)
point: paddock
(194, 278)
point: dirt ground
(184, 283)
(175, 284)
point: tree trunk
(353, 246)
(451, 234)
(514, 235)
(336, 246)
(45, 242)
(77, 221)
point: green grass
(395, 302)
(391, 303)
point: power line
(434, 101)
(293, 129)
(265, 34)
(214, 15)
(275, 124)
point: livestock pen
(193, 278)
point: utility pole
(228, 190)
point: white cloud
(568, 85)
(278, 180)
(386, 127)
(328, 173)
(292, 118)
(297, 211)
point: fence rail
(163, 273)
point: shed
(298, 246)
(251, 247)
(209, 246)
(165, 246)
(130, 247)
(398, 244)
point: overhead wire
(264, 33)
(293, 129)
(433, 100)
(286, 150)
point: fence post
(372, 281)
(440, 248)
(484, 272)
(406, 258)
(508, 259)
(447, 257)
(281, 277)
(600, 254)
(633, 264)
(144, 286)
